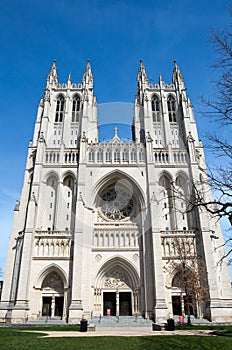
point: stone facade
(102, 227)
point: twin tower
(105, 227)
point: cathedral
(105, 227)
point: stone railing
(54, 244)
(64, 156)
(118, 237)
(177, 233)
(165, 86)
(162, 156)
(118, 152)
(64, 86)
(53, 234)
(178, 243)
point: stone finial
(69, 80)
(116, 131)
(177, 76)
(142, 72)
(17, 203)
(52, 77)
(87, 78)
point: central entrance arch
(117, 289)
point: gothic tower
(104, 227)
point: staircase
(44, 320)
(121, 323)
(194, 320)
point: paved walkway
(111, 333)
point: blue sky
(114, 35)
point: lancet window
(171, 109)
(59, 109)
(76, 108)
(155, 106)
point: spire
(177, 77)
(142, 75)
(116, 131)
(69, 80)
(160, 80)
(87, 79)
(52, 75)
(142, 80)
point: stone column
(53, 306)
(117, 303)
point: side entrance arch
(52, 284)
(117, 289)
(52, 296)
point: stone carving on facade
(172, 245)
(116, 279)
(98, 257)
(136, 257)
(52, 247)
(53, 282)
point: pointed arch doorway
(117, 291)
(52, 296)
(53, 289)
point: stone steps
(46, 321)
(121, 320)
(121, 324)
(193, 320)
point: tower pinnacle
(87, 78)
(52, 77)
(177, 77)
(142, 77)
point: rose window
(116, 204)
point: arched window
(76, 108)
(141, 156)
(91, 156)
(133, 156)
(125, 156)
(59, 109)
(155, 106)
(69, 182)
(117, 156)
(100, 156)
(108, 156)
(117, 203)
(171, 109)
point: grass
(17, 339)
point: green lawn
(16, 339)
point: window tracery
(116, 204)
(76, 109)
(155, 106)
(171, 109)
(59, 109)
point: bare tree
(218, 110)
(190, 275)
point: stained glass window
(116, 204)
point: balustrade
(116, 237)
(52, 244)
(178, 243)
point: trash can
(170, 324)
(84, 324)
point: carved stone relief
(116, 279)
